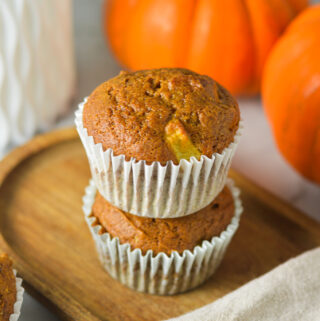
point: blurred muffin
(165, 235)
(161, 115)
(10, 291)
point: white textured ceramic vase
(37, 75)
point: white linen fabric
(290, 292)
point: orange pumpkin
(226, 39)
(291, 93)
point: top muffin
(161, 115)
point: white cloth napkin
(290, 292)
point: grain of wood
(42, 227)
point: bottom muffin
(165, 235)
(162, 256)
(11, 291)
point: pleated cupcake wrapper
(162, 274)
(154, 190)
(19, 298)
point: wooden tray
(43, 230)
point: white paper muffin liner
(19, 298)
(162, 274)
(155, 190)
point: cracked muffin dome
(165, 235)
(161, 115)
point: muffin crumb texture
(8, 291)
(133, 114)
(165, 235)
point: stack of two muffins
(159, 144)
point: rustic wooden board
(42, 226)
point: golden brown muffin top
(8, 292)
(130, 113)
(165, 235)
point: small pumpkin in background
(291, 93)
(227, 40)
